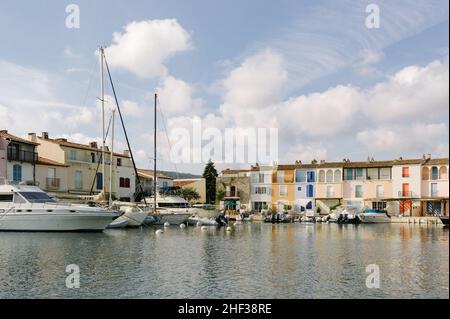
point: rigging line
(89, 84)
(124, 130)
(100, 159)
(167, 136)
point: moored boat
(28, 208)
(371, 216)
(444, 220)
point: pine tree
(210, 174)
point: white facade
(261, 188)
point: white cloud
(176, 97)
(131, 108)
(412, 92)
(145, 46)
(322, 114)
(406, 138)
(366, 61)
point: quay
(430, 220)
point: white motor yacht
(170, 209)
(28, 208)
(370, 216)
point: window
(434, 189)
(125, 182)
(280, 177)
(348, 174)
(309, 191)
(380, 191)
(443, 172)
(405, 171)
(405, 190)
(309, 205)
(434, 208)
(372, 173)
(283, 190)
(311, 177)
(337, 176)
(300, 176)
(6, 197)
(358, 191)
(93, 157)
(261, 178)
(99, 180)
(78, 180)
(17, 172)
(330, 191)
(434, 173)
(425, 173)
(119, 162)
(385, 173)
(321, 176)
(73, 155)
(36, 197)
(379, 205)
(260, 190)
(299, 188)
(359, 174)
(329, 176)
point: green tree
(210, 175)
(190, 194)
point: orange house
(283, 187)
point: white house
(260, 187)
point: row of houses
(409, 187)
(69, 169)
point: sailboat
(170, 209)
(132, 215)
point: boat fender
(166, 224)
(159, 232)
(182, 226)
(229, 228)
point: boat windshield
(36, 197)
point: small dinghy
(118, 223)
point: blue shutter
(99, 181)
(17, 173)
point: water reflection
(252, 261)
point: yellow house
(283, 187)
(83, 168)
(199, 184)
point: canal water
(252, 261)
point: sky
(313, 70)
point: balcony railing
(232, 194)
(22, 156)
(52, 183)
(406, 194)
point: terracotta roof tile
(6, 135)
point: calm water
(254, 261)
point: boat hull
(171, 218)
(58, 222)
(373, 218)
(444, 220)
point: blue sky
(312, 69)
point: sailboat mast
(102, 98)
(154, 157)
(112, 159)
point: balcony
(21, 156)
(52, 183)
(406, 194)
(235, 193)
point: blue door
(17, 173)
(309, 191)
(99, 181)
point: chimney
(428, 156)
(126, 153)
(45, 135)
(322, 161)
(93, 144)
(32, 137)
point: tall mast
(112, 159)
(102, 99)
(154, 157)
